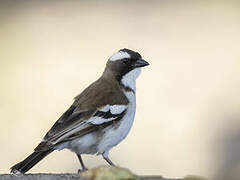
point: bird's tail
(30, 161)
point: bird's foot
(82, 170)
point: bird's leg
(105, 156)
(82, 164)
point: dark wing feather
(89, 127)
(69, 121)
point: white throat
(129, 79)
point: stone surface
(98, 173)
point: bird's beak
(140, 63)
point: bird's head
(125, 65)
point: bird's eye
(125, 61)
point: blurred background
(188, 102)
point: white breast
(112, 136)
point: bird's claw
(82, 170)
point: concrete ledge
(98, 173)
(63, 177)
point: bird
(99, 118)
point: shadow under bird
(99, 118)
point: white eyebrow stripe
(119, 55)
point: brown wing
(73, 123)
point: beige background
(188, 102)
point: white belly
(114, 136)
(84, 145)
